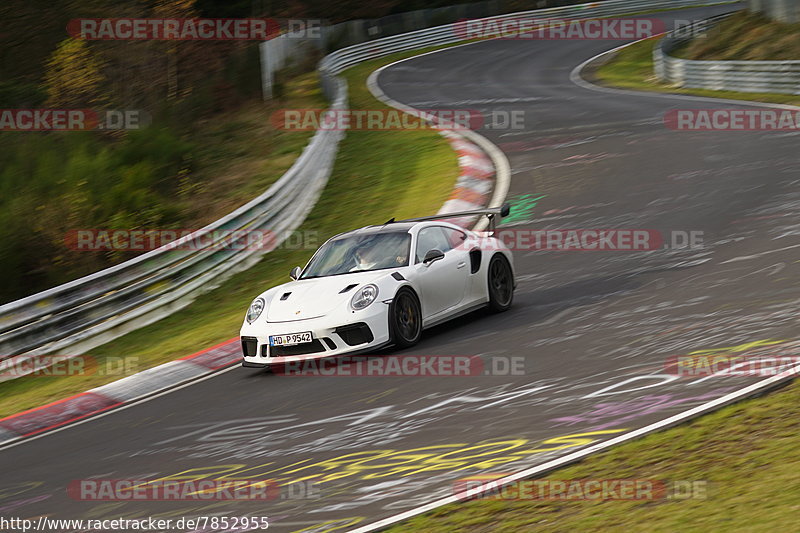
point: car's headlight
(364, 296)
(255, 310)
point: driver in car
(372, 257)
(365, 258)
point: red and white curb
(475, 181)
(123, 391)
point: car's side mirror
(295, 273)
(432, 255)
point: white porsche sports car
(377, 286)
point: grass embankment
(240, 154)
(632, 68)
(745, 36)
(377, 175)
(747, 453)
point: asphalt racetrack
(595, 330)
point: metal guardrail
(441, 35)
(94, 309)
(742, 76)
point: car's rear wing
(489, 212)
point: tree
(74, 76)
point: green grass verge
(745, 36)
(632, 68)
(746, 453)
(377, 175)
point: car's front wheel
(405, 319)
(501, 284)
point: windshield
(360, 253)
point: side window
(454, 237)
(431, 238)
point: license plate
(290, 339)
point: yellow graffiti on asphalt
(386, 463)
(378, 396)
(738, 348)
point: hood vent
(285, 295)
(348, 288)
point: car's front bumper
(355, 332)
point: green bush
(53, 183)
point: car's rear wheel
(501, 284)
(405, 319)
